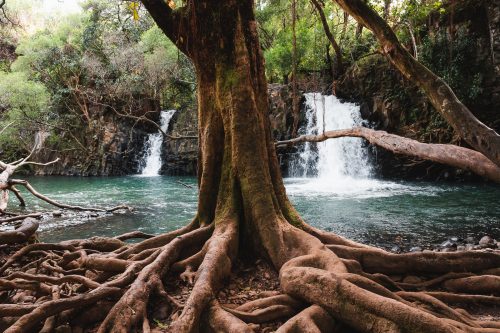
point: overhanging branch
(455, 156)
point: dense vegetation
(81, 67)
(102, 62)
(73, 70)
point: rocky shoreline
(454, 244)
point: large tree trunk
(243, 208)
(473, 131)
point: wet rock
(455, 239)
(412, 279)
(461, 248)
(94, 214)
(416, 249)
(448, 244)
(449, 249)
(396, 249)
(486, 241)
(427, 251)
(57, 213)
(469, 247)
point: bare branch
(143, 118)
(61, 205)
(6, 126)
(38, 163)
(448, 154)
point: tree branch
(329, 35)
(169, 21)
(61, 205)
(442, 97)
(6, 126)
(452, 155)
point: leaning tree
(243, 209)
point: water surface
(372, 211)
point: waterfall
(335, 162)
(151, 162)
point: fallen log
(20, 235)
(455, 156)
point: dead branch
(459, 157)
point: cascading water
(151, 162)
(340, 164)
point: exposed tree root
(21, 234)
(69, 282)
(313, 319)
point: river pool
(372, 211)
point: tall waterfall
(151, 162)
(335, 162)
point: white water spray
(151, 161)
(342, 164)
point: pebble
(396, 249)
(486, 241)
(461, 248)
(57, 213)
(416, 249)
(448, 244)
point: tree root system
(184, 281)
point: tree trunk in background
(295, 102)
(387, 9)
(344, 26)
(331, 38)
(442, 97)
(359, 30)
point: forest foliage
(67, 70)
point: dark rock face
(111, 146)
(180, 155)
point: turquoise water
(371, 211)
